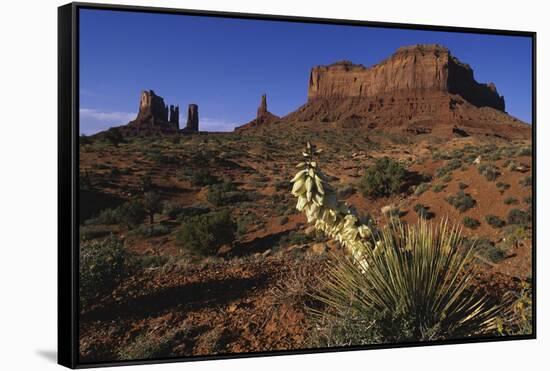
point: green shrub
(148, 345)
(417, 287)
(502, 186)
(527, 181)
(171, 210)
(131, 213)
(145, 183)
(511, 201)
(107, 217)
(102, 266)
(225, 193)
(448, 168)
(494, 221)
(423, 211)
(203, 177)
(525, 151)
(204, 234)
(114, 136)
(461, 201)
(490, 172)
(470, 222)
(152, 205)
(151, 230)
(519, 217)
(462, 186)
(438, 187)
(90, 232)
(384, 178)
(422, 187)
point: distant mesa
(157, 118)
(420, 89)
(263, 117)
(418, 68)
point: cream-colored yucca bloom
(318, 201)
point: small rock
(319, 248)
(477, 161)
(310, 230)
(224, 249)
(333, 245)
(385, 210)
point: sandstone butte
(154, 117)
(419, 89)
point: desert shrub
(495, 252)
(490, 172)
(519, 217)
(204, 234)
(145, 183)
(151, 261)
(511, 201)
(527, 181)
(176, 212)
(438, 187)
(462, 186)
(416, 288)
(114, 136)
(461, 201)
(148, 345)
(152, 204)
(422, 187)
(131, 213)
(103, 264)
(107, 217)
(345, 191)
(525, 151)
(282, 185)
(151, 230)
(447, 178)
(203, 177)
(502, 186)
(84, 140)
(470, 222)
(384, 178)
(487, 250)
(423, 211)
(90, 232)
(171, 210)
(528, 200)
(448, 168)
(520, 320)
(225, 193)
(494, 221)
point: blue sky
(224, 65)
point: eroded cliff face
(411, 70)
(154, 117)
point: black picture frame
(68, 160)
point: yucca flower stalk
(317, 199)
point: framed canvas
(235, 185)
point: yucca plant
(399, 283)
(417, 286)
